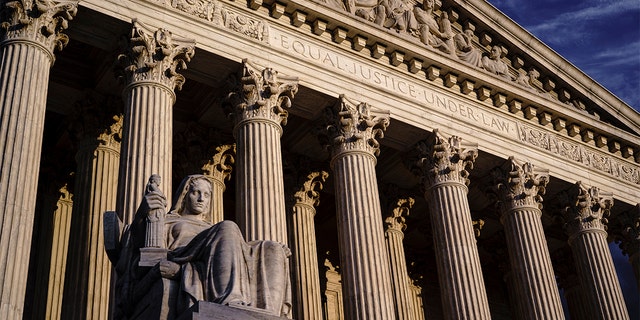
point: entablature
(440, 81)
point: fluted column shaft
(305, 261)
(59, 249)
(442, 164)
(585, 212)
(399, 277)
(304, 256)
(260, 202)
(536, 287)
(351, 131)
(258, 107)
(149, 69)
(146, 144)
(394, 227)
(459, 272)
(519, 188)
(366, 277)
(88, 278)
(574, 295)
(26, 55)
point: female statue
(210, 262)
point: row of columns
(373, 283)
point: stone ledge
(212, 311)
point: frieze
(220, 15)
(576, 152)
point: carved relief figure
(465, 49)
(493, 64)
(204, 262)
(430, 32)
(399, 16)
(369, 10)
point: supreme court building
(421, 160)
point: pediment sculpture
(168, 262)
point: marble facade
(476, 124)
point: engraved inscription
(389, 82)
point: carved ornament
(440, 160)
(578, 153)
(261, 94)
(519, 185)
(40, 21)
(112, 136)
(585, 209)
(217, 13)
(155, 56)
(352, 126)
(220, 166)
(396, 219)
(309, 193)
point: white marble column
(59, 248)
(32, 31)
(569, 282)
(218, 170)
(150, 72)
(351, 132)
(416, 300)
(304, 254)
(442, 165)
(585, 212)
(519, 188)
(88, 277)
(394, 233)
(258, 106)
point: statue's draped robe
(217, 265)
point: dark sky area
(601, 38)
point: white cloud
(568, 26)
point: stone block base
(212, 311)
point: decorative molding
(353, 126)
(439, 160)
(155, 56)
(570, 150)
(585, 209)
(40, 21)
(261, 93)
(519, 185)
(222, 16)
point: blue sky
(600, 37)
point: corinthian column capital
(443, 160)
(220, 166)
(396, 221)
(261, 94)
(352, 126)
(39, 21)
(519, 185)
(112, 136)
(585, 209)
(309, 193)
(155, 56)
(628, 231)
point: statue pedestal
(212, 311)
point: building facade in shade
(402, 150)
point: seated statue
(493, 64)
(432, 33)
(201, 262)
(465, 49)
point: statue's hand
(155, 200)
(169, 269)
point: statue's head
(496, 52)
(193, 196)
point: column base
(204, 310)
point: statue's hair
(183, 189)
